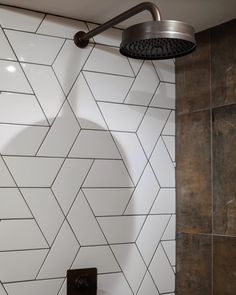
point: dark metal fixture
(157, 39)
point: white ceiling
(201, 14)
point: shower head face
(158, 40)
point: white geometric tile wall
(87, 161)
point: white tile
(162, 272)
(121, 117)
(144, 86)
(61, 27)
(148, 286)
(114, 284)
(5, 176)
(81, 215)
(151, 127)
(108, 173)
(69, 180)
(69, 63)
(20, 19)
(60, 256)
(170, 232)
(170, 145)
(132, 153)
(12, 78)
(100, 257)
(45, 287)
(165, 202)
(170, 125)
(110, 37)
(165, 69)
(46, 211)
(148, 187)
(131, 263)
(123, 229)
(20, 109)
(164, 96)
(63, 290)
(84, 106)
(151, 234)
(61, 135)
(21, 265)
(50, 97)
(95, 144)
(38, 172)
(13, 204)
(108, 60)
(5, 48)
(34, 48)
(108, 201)
(21, 140)
(169, 247)
(136, 64)
(20, 234)
(162, 165)
(2, 290)
(108, 88)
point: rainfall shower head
(157, 39)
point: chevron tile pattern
(87, 161)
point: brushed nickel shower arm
(81, 39)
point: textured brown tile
(193, 173)
(223, 52)
(194, 264)
(224, 266)
(224, 167)
(193, 77)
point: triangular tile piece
(113, 283)
(5, 176)
(165, 69)
(148, 187)
(43, 206)
(90, 234)
(122, 229)
(95, 144)
(63, 290)
(108, 88)
(170, 125)
(108, 201)
(69, 63)
(132, 153)
(162, 272)
(35, 287)
(114, 63)
(170, 145)
(143, 88)
(170, 232)
(164, 96)
(131, 263)
(169, 247)
(56, 145)
(165, 202)
(13, 204)
(100, 257)
(5, 48)
(69, 180)
(136, 65)
(60, 257)
(162, 165)
(148, 286)
(151, 234)
(84, 106)
(151, 127)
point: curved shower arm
(81, 39)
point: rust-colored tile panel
(193, 77)
(224, 167)
(224, 266)
(194, 264)
(223, 53)
(193, 173)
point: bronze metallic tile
(193, 77)
(194, 264)
(223, 53)
(224, 266)
(193, 173)
(224, 167)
